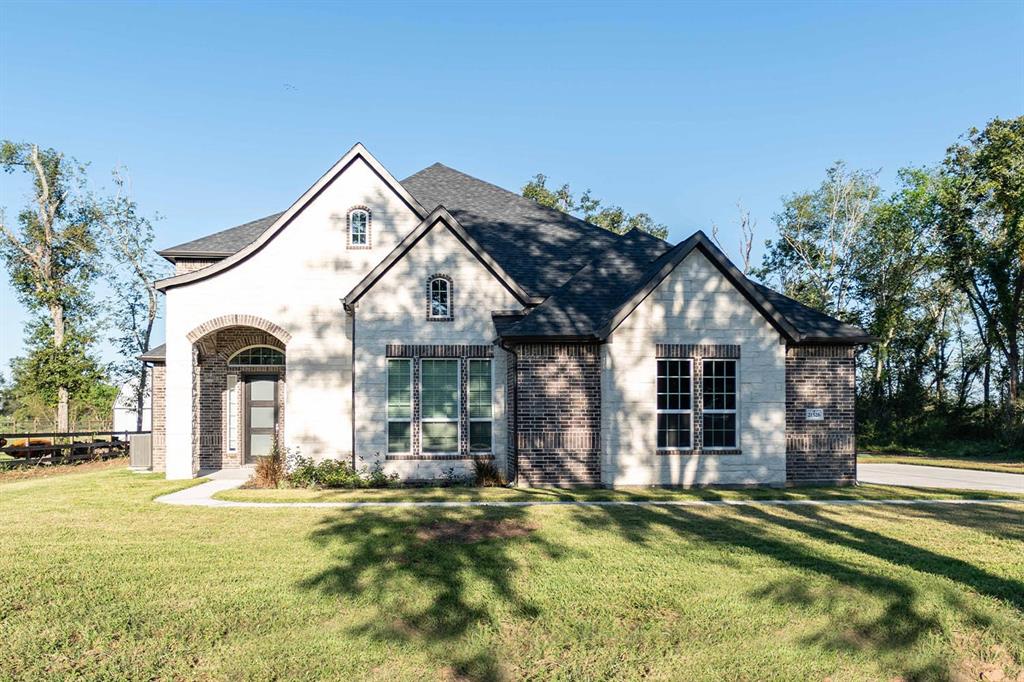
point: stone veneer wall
(159, 418)
(184, 266)
(820, 451)
(558, 423)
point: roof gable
(358, 152)
(439, 216)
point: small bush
(333, 473)
(487, 475)
(270, 470)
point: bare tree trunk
(57, 316)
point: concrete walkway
(917, 476)
(202, 496)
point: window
(675, 408)
(439, 405)
(399, 406)
(480, 408)
(233, 412)
(258, 355)
(439, 298)
(359, 227)
(719, 419)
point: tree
(981, 226)
(51, 258)
(587, 207)
(814, 256)
(128, 238)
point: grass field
(459, 493)
(99, 582)
(1002, 462)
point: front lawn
(467, 493)
(983, 456)
(99, 582)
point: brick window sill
(690, 453)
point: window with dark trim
(675, 404)
(359, 227)
(258, 355)
(439, 298)
(399, 406)
(439, 405)
(480, 405)
(719, 408)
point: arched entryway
(239, 377)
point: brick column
(159, 417)
(820, 451)
(558, 430)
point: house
(126, 408)
(424, 323)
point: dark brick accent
(210, 410)
(820, 451)
(438, 351)
(159, 418)
(558, 428)
(691, 350)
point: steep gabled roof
(356, 153)
(592, 304)
(540, 247)
(438, 216)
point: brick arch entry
(213, 343)
(235, 320)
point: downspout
(515, 406)
(351, 310)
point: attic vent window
(439, 298)
(359, 228)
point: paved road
(939, 477)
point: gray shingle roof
(539, 247)
(587, 274)
(157, 354)
(221, 244)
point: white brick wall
(296, 281)
(694, 304)
(394, 312)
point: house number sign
(814, 414)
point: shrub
(334, 473)
(487, 475)
(270, 470)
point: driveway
(939, 477)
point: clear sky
(226, 112)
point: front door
(260, 415)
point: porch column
(179, 407)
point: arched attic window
(359, 228)
(439, 298)
(264, 356)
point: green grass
(959, 455)
(99, 582)
(453, 494)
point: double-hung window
(719, 420)
(675, 404)
(480, 407)
(399, 405)
(439, 405)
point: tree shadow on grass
(422, 565)
(903, 621)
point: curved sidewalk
(919, 476)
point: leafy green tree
(814, 257)
(128, 240)
(51, 257)
(981, 228)
(587, 207)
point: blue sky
(226, 112)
